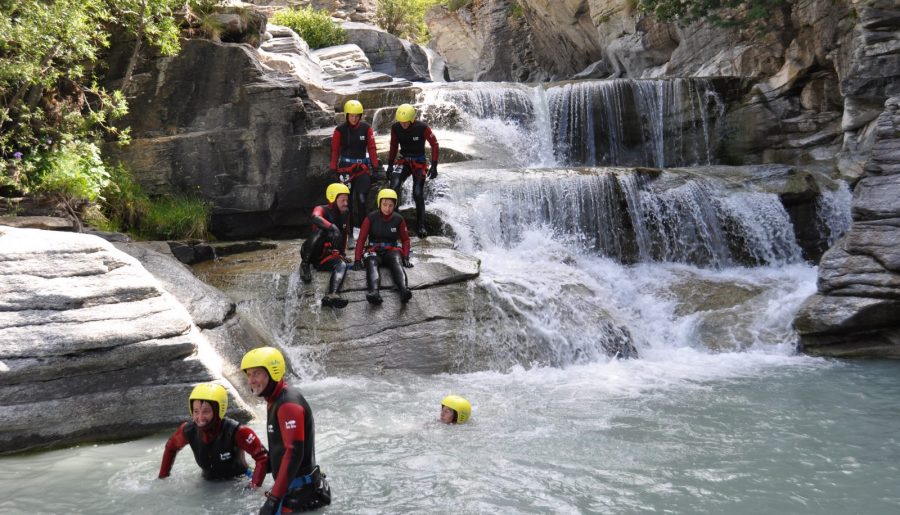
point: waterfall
(627, 216)
(834, 216)
(622, 122)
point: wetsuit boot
(305, 272)
(333, 298)
(393, 261)
(373, 280)
(419, 197)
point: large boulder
(86, 331)
(393, 56)
(213, 122)
(855, 311)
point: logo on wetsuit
(290, 424)
(225, 456)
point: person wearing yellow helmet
(218, 442)
(455, 410)
(326, 247)
(410, 136)
(299, 484)
(384, 241)
(350, 144)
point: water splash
(834, 216)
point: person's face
(202, 413)
(342, 202)
(387, 206)
(258, 378)
(354, 118)
(405, 125)
(447, 415)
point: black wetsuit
(323, 251)
(412, 152)
(388, 244)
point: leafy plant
(404, 18)
(315, 26)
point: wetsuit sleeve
(175, 443)
(432, 140)
(335, 149)
(404, 237)
(373, 152)
(291, 419)
(361, 240)
(318, 218)
(392, 154)
(247, 440)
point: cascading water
(719, 415)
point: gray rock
(389, 54)
(84, 330)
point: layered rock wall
(88, 335)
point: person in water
(299, 485)
(384, 241)
(326, 247)
(350, 143)
(410, 136)
(217, 441)
(455, 410)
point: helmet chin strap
(267, 391)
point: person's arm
(373, 152)
(335, 149)
(361, 240)
(432, 140)
(318, 219)
(404, 237)
(291, 418)
(175, 443)
(392, 153)
(247, 440)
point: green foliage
(174, 218)
(404, 18)
(72, 173)
(455, 5)
(516, 11)
(723, 13)
(313, 25)
(126, 207)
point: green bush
(455, 5)
(315, 26)
(722, 13)
(72, 173)
(126, 207)
(405, 18)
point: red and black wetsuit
(321, 250)
(219, 452)
(349, 146)
(412, 154)
(292, 447)
(385, 240)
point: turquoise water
(690, 432)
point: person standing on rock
(326, 247)
(299, 485)
(350, 143)
(410, 136)
(384, 241)
(217, 441)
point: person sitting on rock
(410, 135)
(325, 248)
(350, 143)
(384, 241)
(217, 441)
(455, 410)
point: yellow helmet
(210, 392)
(333, 190)
(405, 113)
(353, 107)
(268, 357)
(386, 193)
(461, 406)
